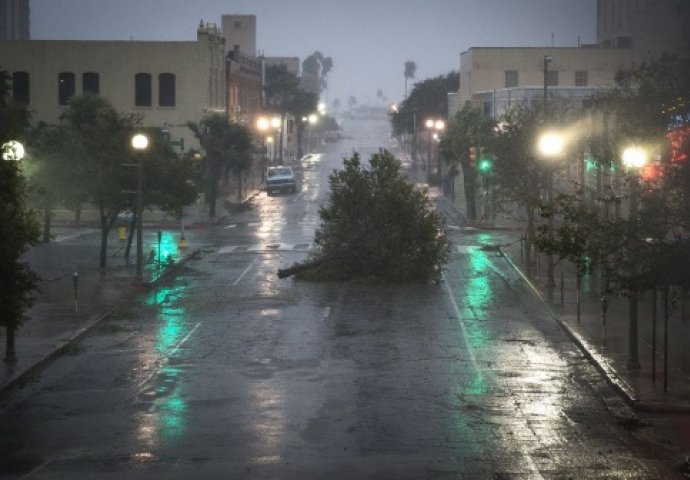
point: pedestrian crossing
(305, 247)
(266, 247)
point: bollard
(604, 308)
(160, 236)
(75, 282)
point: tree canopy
(378, 226)
(18, 283)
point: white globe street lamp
(12, 151)
(140, 143)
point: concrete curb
(22, 376)
(622, 388)
(604, 368)
(19, 379)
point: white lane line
(528, 458)
(249, 267)
(232, 225)
(186, 337)
(165, 360)
(463, 327)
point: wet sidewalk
(68, 306)
(662, 381)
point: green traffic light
(485, 165)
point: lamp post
(140, 143)
(11, 151)
(551, 146)
(634, 158)
(547, 59)
(434, 126)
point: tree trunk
(301, 267)
(469, 178)
(130, 235)
(212, 188)
(10, 352)
(46, 224)
(104, 242)
(530, 236)
(281, 133)
(77, 216)
(300, 135)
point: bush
(377, 227)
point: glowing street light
(140, 143)
(434, 126)
(550, 145)
(634, 158)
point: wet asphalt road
(228, 372)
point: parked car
(280, 179)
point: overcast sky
(369, 40)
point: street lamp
(547, 59)
(434, 126)
(550, 145)
(140, 143)
(12, 151)
(634, 158)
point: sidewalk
(57, 320)
(606, 345)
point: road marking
(165, 359)
(265, 247)
(251, 264)
(528, 458)
(463, 327)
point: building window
(166, 90)
(91, 83)
(20, 87)
(142, 90)
(552, 78)
(511, 78)
(580, 78)
(66, 87)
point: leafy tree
(315, 69)
(352, 102)
(48, 173)
(240, 154)
(429, 98)
(410, 71)
(281, 88)
(377, 226)
(470, 128)
(520, 173)
(302, 104)
(20, 230)
(97, 147)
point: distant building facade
(239, 30)
(170, 83)
(628, 31)
(291, 63)
(499, 78)
(649, 26)
(14, 20)
(244, 86)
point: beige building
(169, 83)
(240, 31)
(498, 78)
(244, 74)
(628, 31)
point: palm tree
(410, 70)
